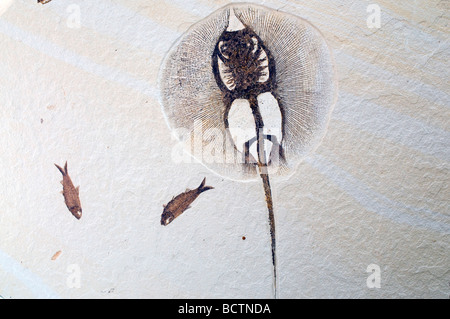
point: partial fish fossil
(253, 89)
(181, 202)
(71, 193)
(43, 1)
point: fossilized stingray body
(71, 193)
(304, 89)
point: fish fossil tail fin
(62, 170)
(203, 188)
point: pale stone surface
(374, 192)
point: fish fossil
(181, 202)
(43, 1)
(71, 193)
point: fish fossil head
(76, 211)
(166, 218)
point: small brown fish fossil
(70, 193)
(180, 203)
(56, 255)
(43, 1)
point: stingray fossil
(249, 91)
(71, 193)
